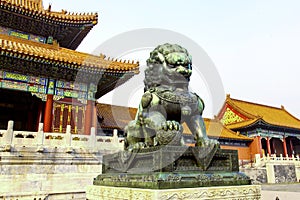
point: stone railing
(260, 162)
(273, 169)
(10, 138)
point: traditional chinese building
(42, 77)
(229, 139)
(273, 130)
(112, 117)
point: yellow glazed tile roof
(272, 115)
(23, 48)
(27, 4)
(35, 7)
(242, 123)
(216, 129)
(114, 117)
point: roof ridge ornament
(102, 56)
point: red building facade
(43, 78)
(273, 130)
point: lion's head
(168, 64)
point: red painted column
(88, 117)
(268, 146)
(284, 147)
(259, 145)
(48, 113)
(95, 122)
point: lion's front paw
(207, 142)
(213, 142)
(138, 145)
(171, 125)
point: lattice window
(80, 117)
(65, 118)
(67, 114)
(73, 119)
(56, 117)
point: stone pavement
(282, 191)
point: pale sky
(254, 44)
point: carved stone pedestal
(171, 159)
(172, 180)
(172, 172)
(244, 192)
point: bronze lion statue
(167, 103)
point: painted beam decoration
(81, 91)
(22, 82)
(23, 35)
(72, 90)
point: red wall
(243, 152)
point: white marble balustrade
(277, 160)
(10, 138)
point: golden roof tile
(272, 115)
(27, 4)
(35, 7)
(216, 129)
(242, 124)
(115, 117)
(55, 53)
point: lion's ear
(156, 57)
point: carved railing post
(293, 159)
(257, 160)
(115, 138)
(68, 139)
(92, 139)
(8, 136)
(264, 158)
(40, 138)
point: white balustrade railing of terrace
(262, 161)
(10, 138)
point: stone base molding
(245, 192)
